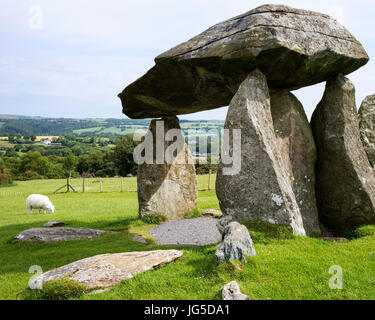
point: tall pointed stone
(166, 186)
(366, 115)
(297, 148)
(345, 183)
(260, 189)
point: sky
(71, 58)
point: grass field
(285, 267)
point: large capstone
(366, 115)
(257, 184)
(167, 182)
(293, 48)
(297, 149)
(345, 183)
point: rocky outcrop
(231, 291)
(293, 48)
(59, 234)
(236, 245)
(167, 187)
(345, 183)
(366, 115)
(261, 188)
(298, 152)
(106, 270)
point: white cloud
(337, 12)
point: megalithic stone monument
(261, 189)
(252, 62)
(167, 184)
(345, 181)
(297, 149)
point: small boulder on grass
(231, 291)
(212, 213)
(236, 244)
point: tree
(70, 164)
(10, 152)
(33, 161)
(2, 165)
(123, 156)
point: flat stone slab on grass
(106, 270)
(195, 232)
(59, 234)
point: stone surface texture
(261, 190)
(59, 234)
(195, 232)
(345, 182)
(297, 148)
(366, 115)
(106, 270)
(236, 244)
(168, 189)
(212, 213)
(293, 48)
(231, 291)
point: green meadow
(285, 267)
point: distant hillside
(23, 125)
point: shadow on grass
(18, 256)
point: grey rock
(195, 232)
(345, 182)
(231, 291)
(52, 224)
(366, 115)
(293, 48)
(59, 234)
(261, 189)
(297, 148)
(236, 245)
(168, 189)
(106, 270)
(139, 238)
(212, 213)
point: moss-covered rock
(293, 48)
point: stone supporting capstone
(366, 115)
(345, 182)
(297, 149)
(261, 189)
(167, 182)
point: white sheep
(40, 202)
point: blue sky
(71, 58)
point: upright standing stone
(367, 127)
(261, 190)
(345, 183)
(168, 189)
(298, 152)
